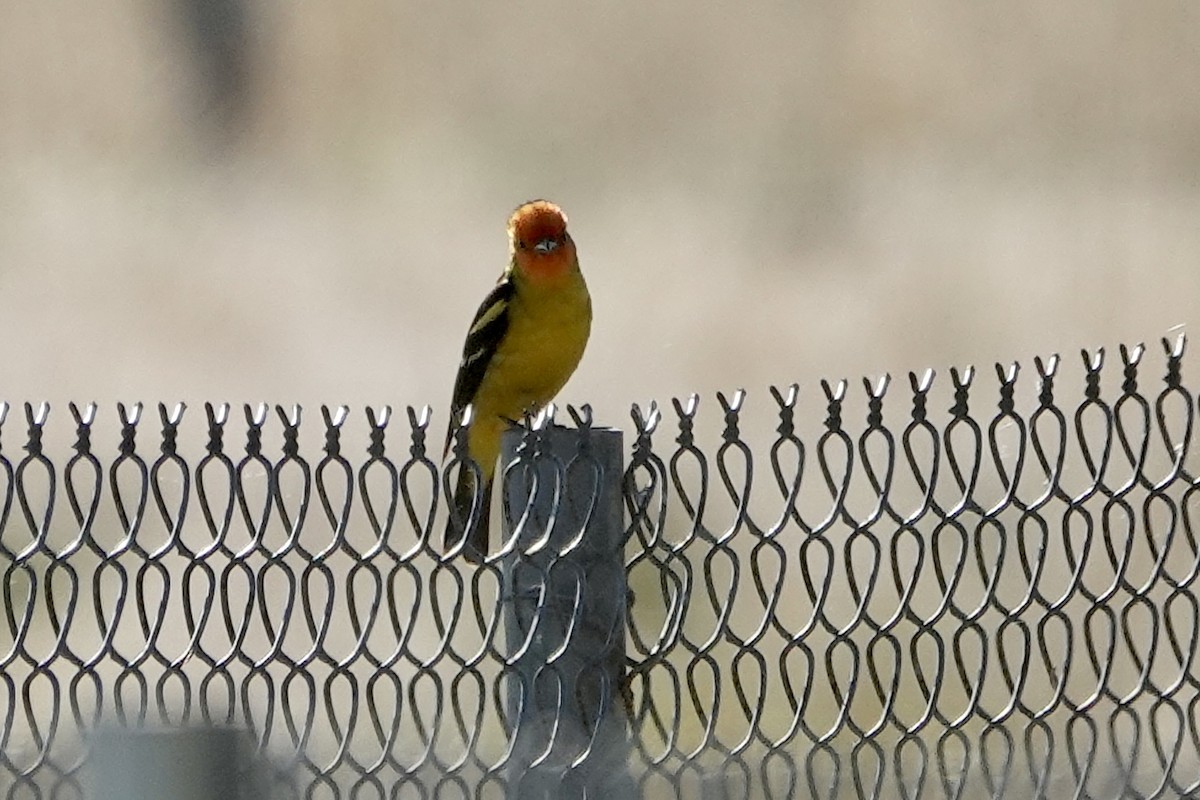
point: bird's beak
(546, 245)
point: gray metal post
(568, 610)
(172, 764)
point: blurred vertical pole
(566, 618)
(219, 35)
(172, 764)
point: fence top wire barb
(976, 590)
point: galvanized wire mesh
(994, 601)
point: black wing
(484, 337)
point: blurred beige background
(764, 192)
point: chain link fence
(877, 598)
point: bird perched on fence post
(523, 345)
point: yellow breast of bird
(543, 345)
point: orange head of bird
(537, 233)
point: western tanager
(523, 344)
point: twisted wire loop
(985, 588)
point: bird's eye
(521, 244)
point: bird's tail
(460, 517)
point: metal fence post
(565, 622)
